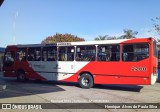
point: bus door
(8, 63)
(49, 62)
(65, 66)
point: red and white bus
(123, 61)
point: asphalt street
(12, 91)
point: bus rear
(154, 75)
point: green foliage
(112, 38)
(100, 37)
(156, 25)
(62, 38)
(128, 33)
(105, 37)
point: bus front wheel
(86, 81)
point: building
(2, 50)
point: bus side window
(66, 53)
(86, 53)
(49, 53)
(61, 52)
(128, 54)
(104, 53)
(34, 54)
(115, 50)
(52, 54)
(108, 53)
(21, 54)
(70, 53)
(30, 56)
(44, 55)
(135, 52)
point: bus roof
(82, 43)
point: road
(12, 91)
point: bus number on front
(134, 68)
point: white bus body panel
(56, 70)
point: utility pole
(14, 28)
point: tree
(62, 38)
(156, 25)
(112, 38)
(100, 37)
(128, 33)
(105, 37)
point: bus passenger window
(34, 54)
(52, 55)
(44, 58)
(135, 52)
(49, 53)
(62, 55)
(108, 53)
(66, 53)
(86, 53)
(70, 53)
(21, 54)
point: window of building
(21, 54)
(66, 53)
(49, 53)
(85, 53)
(135, 52)
(108, 53)
(34, 54)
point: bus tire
(86, 81)
(21, 76)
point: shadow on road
(11, 88)
(14, 88)
(132, 88)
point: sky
(31, 21)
